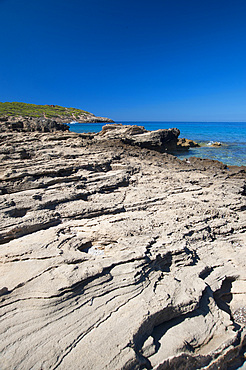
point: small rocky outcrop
(216, 144)
(159, 140)
(117, 257)
(185, 144)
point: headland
(32, 117)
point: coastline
(103, 238)
(232, 136)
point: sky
(130, 60)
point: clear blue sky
(166, 60)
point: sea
(231, 135)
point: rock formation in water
(115, 256)
(160, 140)
(186, 144)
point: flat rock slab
(118, 257)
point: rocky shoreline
(44, 124)
(117, 255)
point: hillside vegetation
(32, 110)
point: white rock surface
(116, 257)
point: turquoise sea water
(232, 136)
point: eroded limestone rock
(185, 144)
(164, 140)
(118, 257)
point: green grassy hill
(32, 110)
